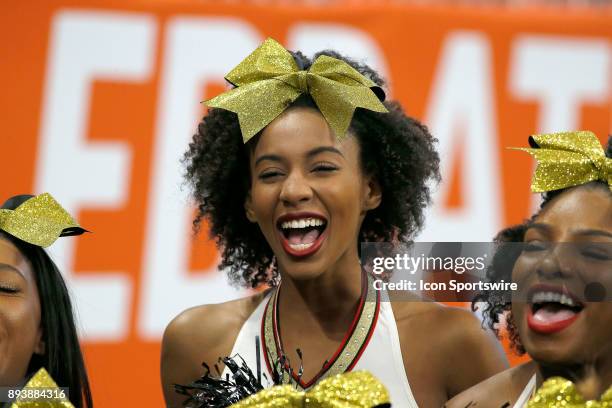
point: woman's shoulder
(448, 329)
(458, 339)
(502, 389)
(435, 316)
(212, 320)
(201, 334)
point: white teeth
(301, 247)
(303, 223)
(542, 297)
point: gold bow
(557, 392)
(39, 221)
(268, 81)
(51, 396)
(568, 159)
(358, 389)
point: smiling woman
(20, 332)
(37, 327)
(292, 169)
(557, 317)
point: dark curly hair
(506, 254)
(396, 149)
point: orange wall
(412, 42)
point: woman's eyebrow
(539, 226)
(311, 153)
(594, 232)
(11, 268)
(272, 157)
(321, 149)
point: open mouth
(552, 309)
(302, 234)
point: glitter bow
(39, 221)
(568, 159)
(49, 394)
(269, 80)
(558, 392)
(358, 389)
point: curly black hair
(396, 149)
(506, 254)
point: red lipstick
(552, 308)
(302, 249)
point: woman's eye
(596, 253)
(532, 246)
(8, 289)
(325, 168)
(269, 174)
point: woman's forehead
(12, 256)
(9, 254)
(582, 207)
(298, 131)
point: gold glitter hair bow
(268, 81)
(358, 389)
(39, 221)
(558, 392)
(42, 392)
(568, 159)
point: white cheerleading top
(527, 393)
(381, 356)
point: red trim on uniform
(370, 333)
(263, 341)
(347, 336)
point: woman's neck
(592, 379)
(331, 297)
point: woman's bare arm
(197, 335)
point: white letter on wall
(88, 46)
(561, 74)
(461, 114)
(197, 50)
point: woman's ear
(373, 193)
(40, 343)
(248, 207)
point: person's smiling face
(308, 193)
(20, 332)
(567, 248)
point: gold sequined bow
(568, 159)
(557, 392)
(39, 221)
(358, 389)
(42, 392)
(268, 81)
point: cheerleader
(291, 170)
(562, 315)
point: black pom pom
(215, 392)
(211, 391)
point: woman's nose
(554, 264)
(295, 189)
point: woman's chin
(554, 352)
(302, 273)
(301, 267)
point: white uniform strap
(522, 400)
